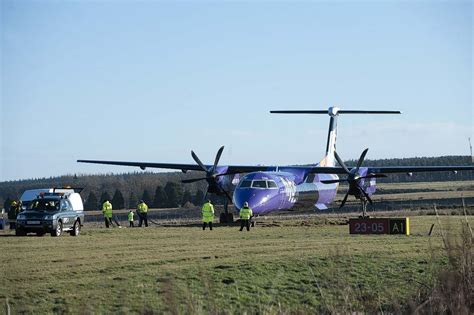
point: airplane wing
(143, 165)
(231, 169)
(414, 169)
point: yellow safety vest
(245, 213)
(207, 212)
(142, 207)
(107, 209)
(130, 216)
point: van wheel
(59, 229)
(76, 230)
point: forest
(165, 190)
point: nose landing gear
(226, 216)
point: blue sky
(151, 80)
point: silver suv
(53, 213)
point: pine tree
(187, 197)
(146, 197)
(174, 193)
(118, 201)
(91, 202)
(105, 196)
(161, 199)
(132, 201)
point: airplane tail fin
(333, 112)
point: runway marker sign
(400, 226)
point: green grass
(300, 267)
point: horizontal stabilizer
(337, 112)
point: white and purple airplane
(272, 188)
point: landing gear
(364, 202)
(226, 217)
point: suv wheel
(76, 230)
(20, 232)
(59, 229)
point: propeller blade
(187, 181)
(333, 181)
(341, 163)
(224, 174)
(361, 159)
(198, 161)
(218, 156)
(344, 200)
(373, 176)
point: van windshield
(44, 205)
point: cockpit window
(245, 184)
(259, 184)
(271, 184)
(310, 178)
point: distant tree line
(162, 190)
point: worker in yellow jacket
(207, 214)
(245, 214)
(130, 218)
(142, 211)
(107, 212)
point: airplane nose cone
(257, 199)
(241, 196)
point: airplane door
(282, 192)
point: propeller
(211, 174)
(353, 178)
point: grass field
(292, 266)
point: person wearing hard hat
(142, 210)
(207, 214)
(107, 211)
(245, 215)
(130, 218)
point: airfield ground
(308, 265)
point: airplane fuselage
(283, 190)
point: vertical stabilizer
(329, 159)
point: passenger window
(259, 184)
(245, 184)
(271, 184)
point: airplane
(273, 188)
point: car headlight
(20, 217)
(48, 217)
